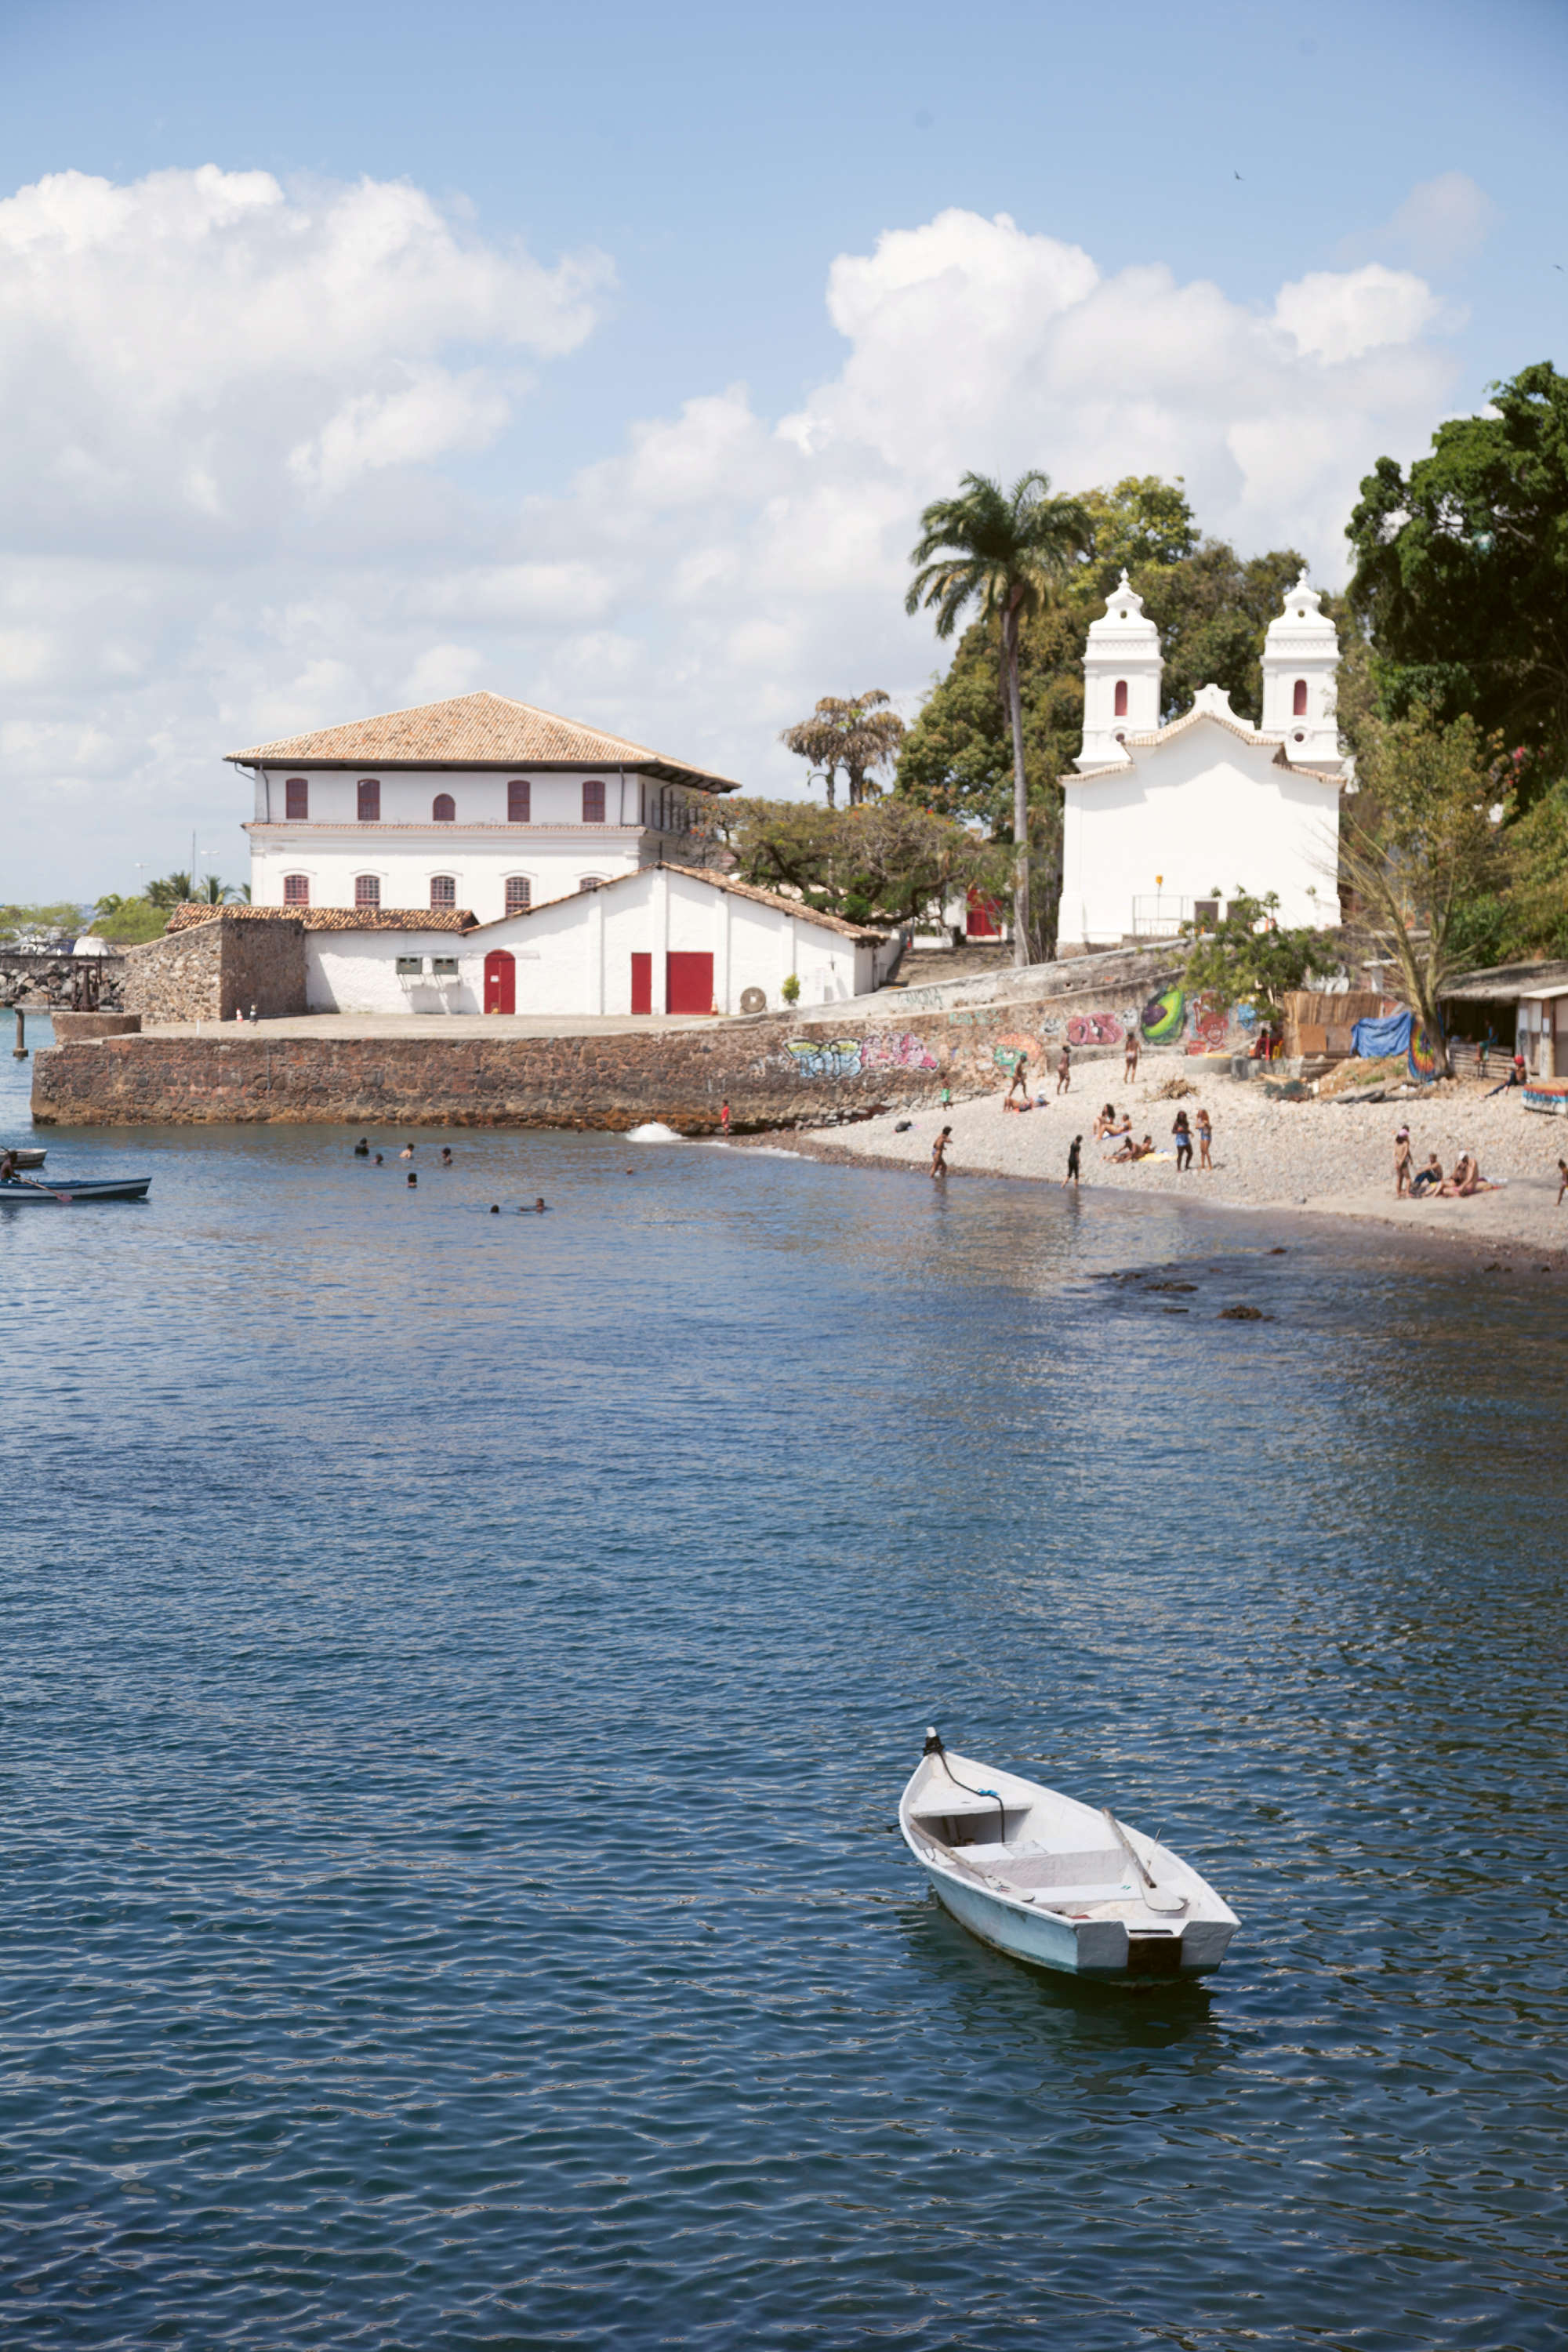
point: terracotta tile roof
(330, 918)
(715, 881)
(474, 730)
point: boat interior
(1010, 1847)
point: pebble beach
(1321, 1157)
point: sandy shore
(1312, 1159)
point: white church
(1162, 822)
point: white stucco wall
(1204, 812)
(574, 958)
(480, 849)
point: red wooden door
(642, 983)
(980, 917)
(500, 981)
(688, 982)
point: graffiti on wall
(1095, 1029)
(1161, 1018)
(1208, 1025)
(850, 1058)
(1014, 1047)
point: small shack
(1521, 1007)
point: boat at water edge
(26, 1155)
(66, 1191)
(1054, 1882)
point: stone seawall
(773, 1071)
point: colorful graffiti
(1208, 1025)
(1095, 1029)
(849, 1058)
(1422, 1055)
(1161, 1018)
(1011, 1049)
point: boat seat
(1026, 1866)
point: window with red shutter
(519, 797)
(594, 804)
(295, 889)
(369, 801)
(297, 801)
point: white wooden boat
(1062, 1885)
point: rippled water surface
(459, 1671)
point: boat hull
(1029, 1872)
(66, 1191)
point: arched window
(1120, 711)
(367, 889)
(1298, 706)
(443, 889)
(519, 892)
(594, 804)
(443, 809)
(519, 798)
(295, 889)
(297, 801)
(591, 882)
(369, 801)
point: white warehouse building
(1160, 819)
(479, 802)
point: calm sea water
(459, 1671)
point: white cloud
(1444, 221)
(1337, 315)
(227, 515)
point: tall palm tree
(1005, 551)
(856, 734)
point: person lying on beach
(1467, 1179)
(1119, 1128)
(1131, 1150)
(1429, 1179)
(1105, 1122)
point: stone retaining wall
(774, 1071)
(213, 971)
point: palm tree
(856, 734)
(1005, 550)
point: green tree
(1420, 844)
(173, 890)
(884, 862)
(783, 845)
(1247, 959)
(858, 734)
(1461, 573)
(1139, 521)
(128, 922)
(44, 921)
(1007, 553)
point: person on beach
(1131, 1057)
(1074, 1149)
(1119, 1129)
(1020, 1083)
(1183, 1135)
(1105, 1122)
(1563, 1184)
(938, 1154)
(1131, 1150)
(1064, 1071)
(945, 1099)
(1205, 1140)
(1403, 1156)
(1429, 1179)
(1465, 1180)
(724, 1116)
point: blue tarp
(1371, 1039)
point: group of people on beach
(1112, 1126)
(1430, 1183)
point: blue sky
(650, 461)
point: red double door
(687, 984)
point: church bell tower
(1121, 679)
(1300, 665)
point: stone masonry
(213, 971)
(775, 1070)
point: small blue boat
(67, 1190)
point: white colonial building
(479, 802)
(1162, 822)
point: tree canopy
(1461, 573)
(1005, 554)
(858, 733)
(883, 862)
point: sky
(352, 355)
